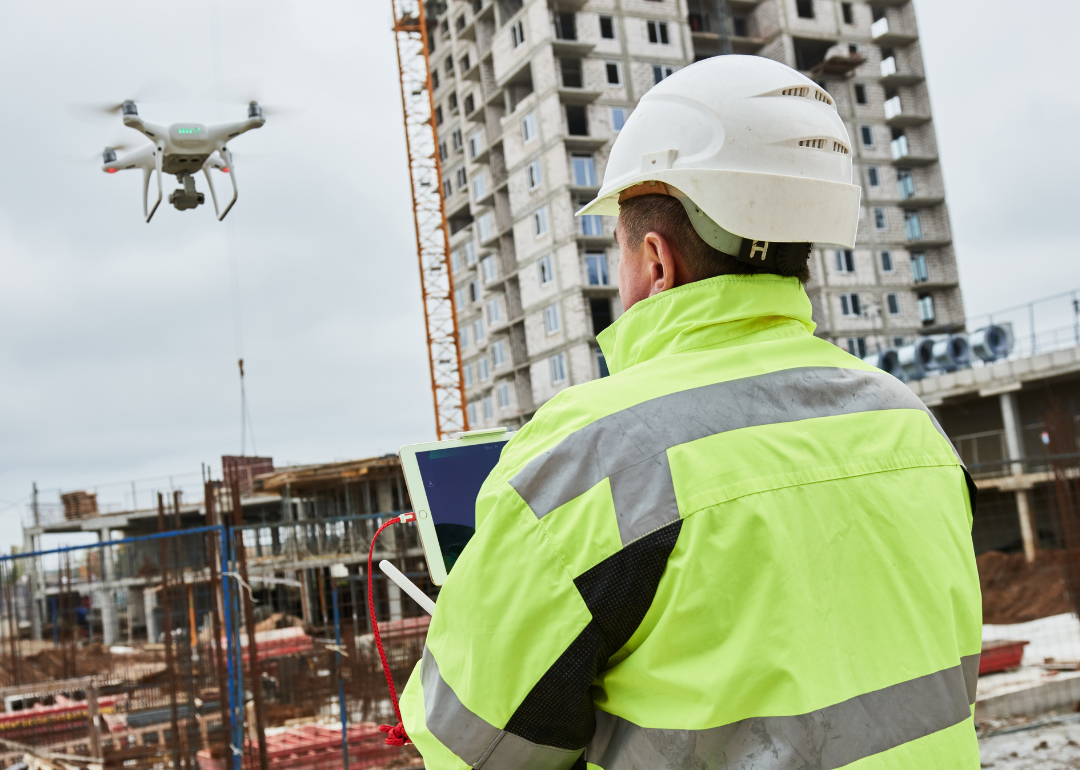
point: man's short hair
(665, 215)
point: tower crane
(429, 211)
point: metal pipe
(125, 541)
(341, 685)
(166, 611)
(249, 621)
(236, 740)
(1031, 320)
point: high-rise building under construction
(529, 97)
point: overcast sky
(118, 345)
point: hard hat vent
(823, 143)
(807, 93)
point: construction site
(225, 623)
(192, 627)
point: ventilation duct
(917, 358)
(991, 343)
(951, 352)
(887, 361)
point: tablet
(444, 478)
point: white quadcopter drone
(182, 149)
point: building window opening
(584, 170)
(596, 267)
(600, 308)
(571, 73)
(850, 306)
(601, 364)
(926, 309)
(661, 71)
(906, 181)
(658, 32)
(805, 8)
(856, 346)
(912, 226)
(919, 271)
(576, 122)
(546, 270)
(557, 368)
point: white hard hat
(747, 143)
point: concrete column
(110, 620)
(33, 587)
(149, 604)
(1014, 444)
(305, 597)
(393, 593)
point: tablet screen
(452, 480)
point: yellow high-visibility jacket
(743, 549)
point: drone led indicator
(225, 169)
(194, 130)
(110, 171)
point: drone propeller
(256, 108)
(155, 89)
(99, 157)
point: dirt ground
(48, 664)
(1054, 747)
(1015, 592)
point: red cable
(396, 736)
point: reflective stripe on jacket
(743, 549)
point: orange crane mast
(429, 210)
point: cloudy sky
(118, 343)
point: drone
(182, 149)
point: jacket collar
(721, 311)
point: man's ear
(660, 261)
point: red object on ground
(276, 642)
(314, 747)
(1000, 656)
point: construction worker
(744, 548)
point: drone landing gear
(186, 198)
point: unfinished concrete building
(529, 97)
(303, 526)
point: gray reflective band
(474, 740)
(826, 739)
(630, 446)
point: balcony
(896, 114)
(892, 74)
(838, 62)
(578, 95)
(885, 34)
(468, 32)
(472, 71)
(903, 154)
